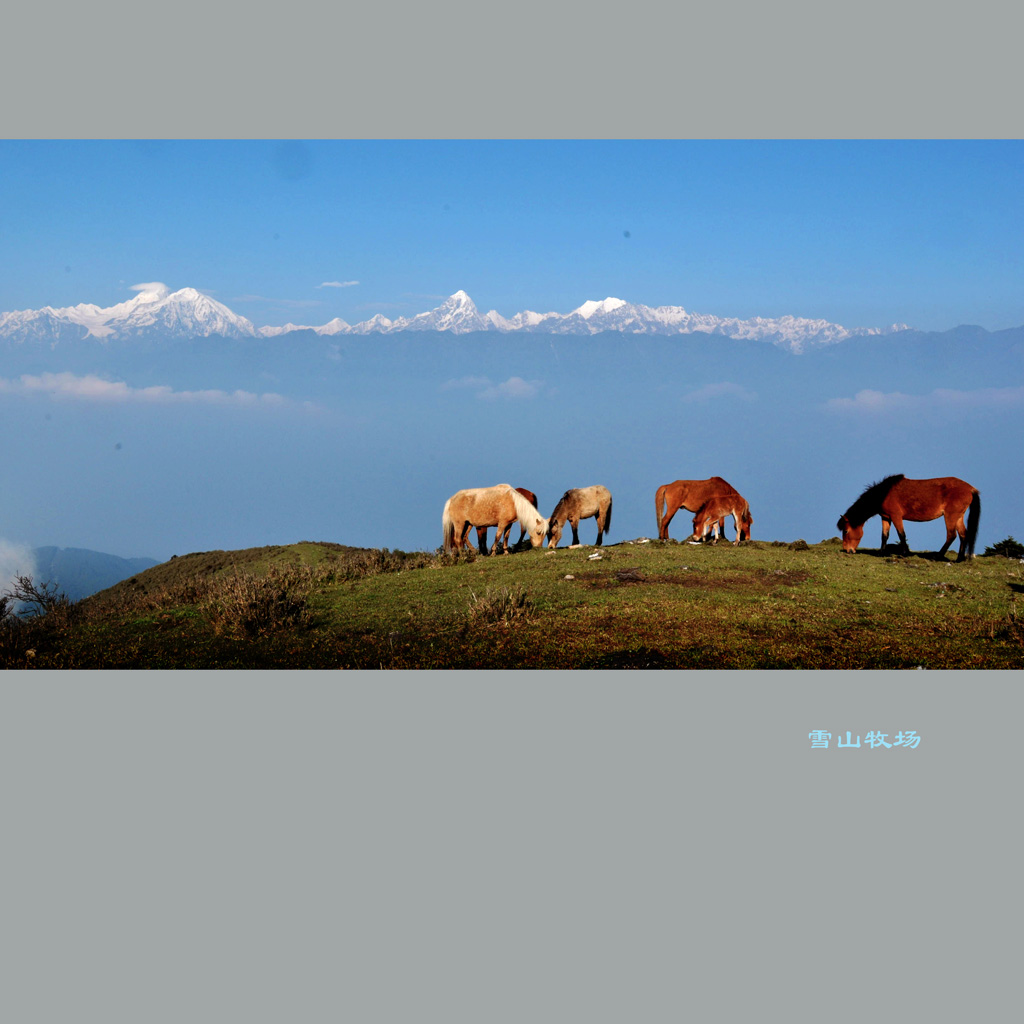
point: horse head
(554, 532)
(851, 534)
(537, 531)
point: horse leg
(600, 527)
(886, 523)
(504, 529)
(961, 529)
(481, 539)
(904, 548)
(669, 513)
(574, 523)
(954, 526)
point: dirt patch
(765, 579)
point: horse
(711, 515)
(481, 531)
(498, 506)
(691, 495)
(920, 501)
(580, 503)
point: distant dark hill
(79, 572)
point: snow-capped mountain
(184, 313)
(190, 313)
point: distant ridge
(79, 572)
(188, 313)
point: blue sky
(142, 452)
(858, 233)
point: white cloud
(725, 389)
(15, 560)
(514, 387)
(337, 284)
(870, 401)
(95, 389)
(156, 288)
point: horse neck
(561, 513)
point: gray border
(508, 846)
(540, 70)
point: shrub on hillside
(1008, 548)
(249, 606)
(505, 606)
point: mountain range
(188, 313)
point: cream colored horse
(498, 506)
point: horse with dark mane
(581, 503)
(920, 501)
(498, 506)
(692, 495)
(710, 517)
(481, 531)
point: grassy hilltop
(642, 604)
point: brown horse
(691, 495)
(481, 531)
(498, 506)
(581, 503)
(710, 517)
(896, 498)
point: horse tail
(447, 531)
(972, 524)
(659, 506)
(608, 515)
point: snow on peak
(189, 313)
(590, 307)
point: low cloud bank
(514, 387)
(869, 401)
(91, 388)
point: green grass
(640, 605)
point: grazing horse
(481, 531)
(581, 503)
(710, 517)
(896, 498)
(498, 506)
(691, 495)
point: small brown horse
(691, 495)
(498, 506)
(896, 498)
(481, 531)
(581, 503)
(710, 517)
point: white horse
(498, 506)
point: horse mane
(525, 512)
(868, 504)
